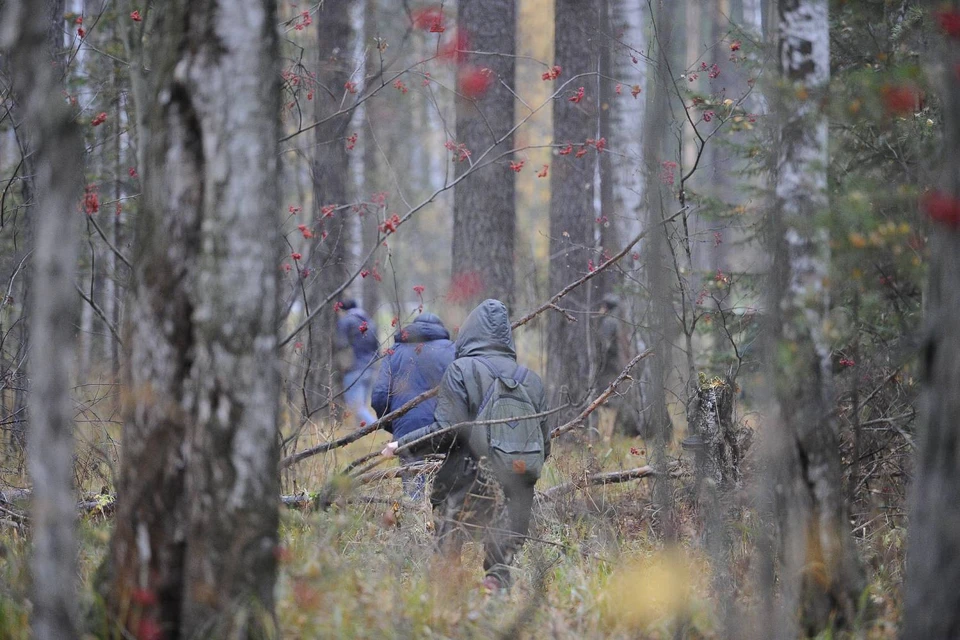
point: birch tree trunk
(609, 236)
(193, 550)
(628, 118)
(51, 32)
(484, 211)
(572, 216)
(933, 552)
(820, 573)
(58, 151)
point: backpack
(514, 447)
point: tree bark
(51, 46)
(933, 553)
(821, 574)
(609, 235)
(33, 38)
(193, 549)
(628, 118)
(484, 211)
(572, 216)
(329, 255)
(372, 165)
(657, 425)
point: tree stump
(715, 437)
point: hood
(486, 332)
(424, 328)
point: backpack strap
(519, 379)
(523, 371)
(492, 388)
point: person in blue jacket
(356, 345)
(421, 353)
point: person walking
(420, 355)
(486, 482)
(356, 348)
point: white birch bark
(820, 577)
(628, 111)
(197, 514)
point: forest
(480, 319)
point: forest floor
(593, 568)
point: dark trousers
(469, 501)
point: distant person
(611, 346)
(486, 481)
(421, 353)
(356, 347)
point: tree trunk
(753, 15)
(627, 127)
(33, 38)
(719, 454)
(658, 198)
(372, 165)
(609, 235)
(329, 255)
(51, 32)
(572, 216)
(933, 553)
(112, 221)
(484, 212)
(193, 550)
(821, 573)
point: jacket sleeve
(380, 398)
(451, 409)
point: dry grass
(594, 569)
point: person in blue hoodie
(421, 353)
(356, 346)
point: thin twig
(593, 406)
(99, 312)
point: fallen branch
(593, 406)
(410, 445)
(304, 501)
(359, 433)
(609, 477)
(370, 428)
(396, 472)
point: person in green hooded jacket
(467, 497)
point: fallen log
(607, 477)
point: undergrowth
(594, 567)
